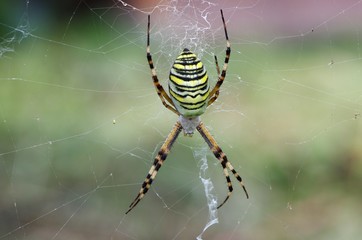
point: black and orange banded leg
(215, 91)
(160, 91)
(159, 160)
(220, 155)
(216, 94)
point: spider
(189, 97)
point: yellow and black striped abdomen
(189, 85)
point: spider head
(189, 124)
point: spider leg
(216, 95)
(217, 65)
(159, 159)
(220, 155)
(215, 91)
(160, 91)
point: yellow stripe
(180, 66)
(192, 83)
(192, 88)
(189, 99)
(186, 56)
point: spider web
(81, 122)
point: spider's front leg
(165, 99)
(220, 155)
(214, 93)
(159, 159)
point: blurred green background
(80, 121)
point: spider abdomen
(189, 85)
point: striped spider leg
(214, 94)
(189, 97)
(159, 159)
(220, 155)
(160, 91)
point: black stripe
(192, 89)
(189, 95)
(144, 192)
(188, 71)
(188, 108)
(186, 87)
(187, 76)
(187, 62)
(187, 52)
(228, 51)
(149, 58)
(162, 154)
(158, 166)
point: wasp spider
(189, 97)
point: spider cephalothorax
(190, 95)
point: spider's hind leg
(159, 159)
(220, 155)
